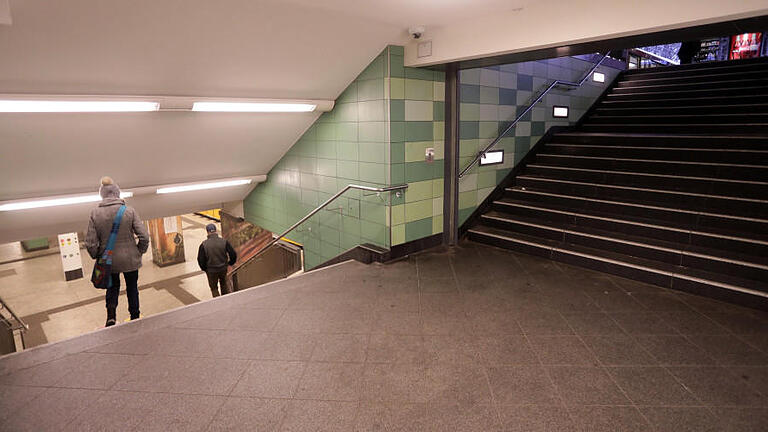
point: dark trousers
(131, 290)
(216, 278)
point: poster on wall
(746, 45)
(167, 240)
(245, 238)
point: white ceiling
(282, 49)
(285, 49)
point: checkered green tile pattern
(490, 99)
(417, 110)
(349, 144)
(378, 134)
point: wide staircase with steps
(665, 180)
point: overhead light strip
(203, 186)
(62, 106)
(38, 103)
(252, 107)
(51, 202)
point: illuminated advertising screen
(746, 45)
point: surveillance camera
(416, 31)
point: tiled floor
(56, 309)
(475, 339)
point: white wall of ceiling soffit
(24, 224)
(550, 23)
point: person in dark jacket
(126, 255)
(212, 258)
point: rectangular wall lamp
(19, 103)
(560, 111)
(203, 186)
(493, 157)
(51, 202)
(252, 107)
(64, 106)
(598, 77)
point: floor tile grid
(242, 374)
(712, 409)
(687, 336)
(570, 408)
(497, 407)
(613, 378)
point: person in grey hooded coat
(126, 255)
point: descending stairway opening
(664, 180)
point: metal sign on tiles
(69, 249)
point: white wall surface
(553, 23)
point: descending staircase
(664, 181)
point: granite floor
(470, 339)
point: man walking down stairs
(665, 180)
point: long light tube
(252, 107)
(203, 186)
(80, 199)
(42, 106)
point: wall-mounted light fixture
(201, 186)
(493, 157)
(28, 103)
(598, 77)
(560, 111)
(252, 107)
(55, 201)
(61, 106)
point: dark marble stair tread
(674, 246)
(618, 216)
(665, 205)
(628, 260)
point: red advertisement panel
(746, 45)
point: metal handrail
(554, 84)
(21, 324)
(313, 212)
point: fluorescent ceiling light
(202, 186)
(76, 106)
(252, 107)
(50, 202)
(492, 157)
(560, 111)
(598, 77)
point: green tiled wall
(377, 134)
(490, 99)
(416, 114)
(349, 144)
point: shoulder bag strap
(113, 235)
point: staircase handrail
(312, 213)
(554, 84)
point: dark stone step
(742, 291)
(701, 185)
(757, 129)
(725, 205)
(680, 117)
(713, 84)
(685, 154)
(662, 110)
(681, 214)
(680, 254)
(649, 94)
(639, 226)
(655, 166)
(663, 140)
(686, 79)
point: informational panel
(69, 250)
(167, 240)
